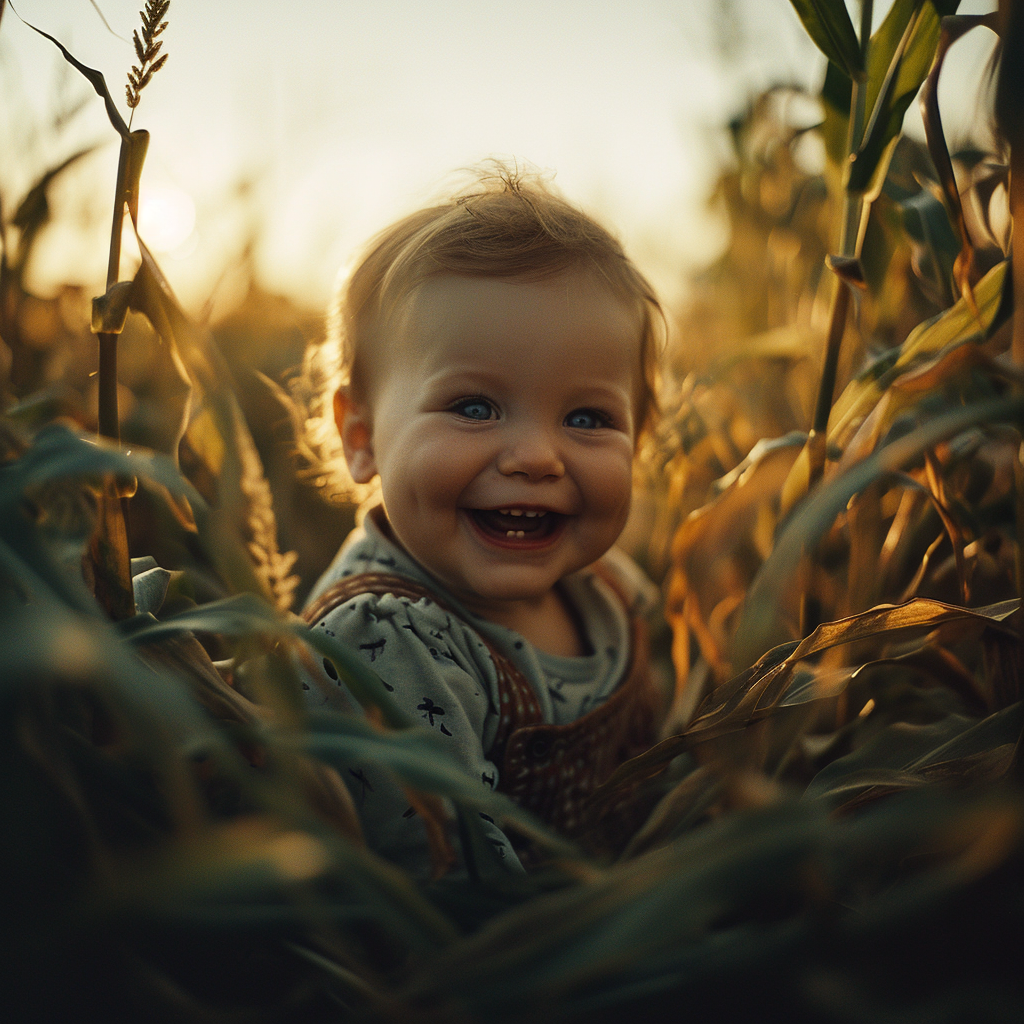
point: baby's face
(502, 427)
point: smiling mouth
(516, 527)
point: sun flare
(167, 217)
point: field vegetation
(836, 496)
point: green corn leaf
(356, 988)
(414, 754)
(242, 875)
(55, 642)
(32, 566)
(60, 458)
(836, 99)
(885, 42)
(58, 453)
(955, 326)
(900, 57)
(237, 616)
(900, 755)
(933, 237)
(717, 904)
(828, 23)
(248, 615)
(419, 758)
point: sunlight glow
(167, 217)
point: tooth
(516, 511)
(510, 533)
(503, 511)
(531, 515)
(520, 533)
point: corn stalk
(109, 554)
(849, 249)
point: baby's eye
(473, 408)
(587, 419)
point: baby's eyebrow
(468, 376)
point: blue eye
(586, 419)
(473, 409)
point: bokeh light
(167, 218)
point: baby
(499, 357)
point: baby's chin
(504, 588)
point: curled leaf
(95, 79)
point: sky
(304, 126)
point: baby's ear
(355, 427)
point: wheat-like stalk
(147, 49)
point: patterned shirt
(439, 670)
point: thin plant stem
(111, 548)
(830, 367)
(109, 419)
(849, 245)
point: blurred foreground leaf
(828, 24)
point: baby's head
(507, 227)
(499, 354)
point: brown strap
(366, 583)
(517, 700)
(551, 770)
(554, 770)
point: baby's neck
(549, 624)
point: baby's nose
(533, 452)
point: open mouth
(518, 527)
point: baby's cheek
(611, 483)
(445, 466)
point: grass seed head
(147, 50)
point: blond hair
(506, 225)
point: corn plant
(821, 595)
(839, 833)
